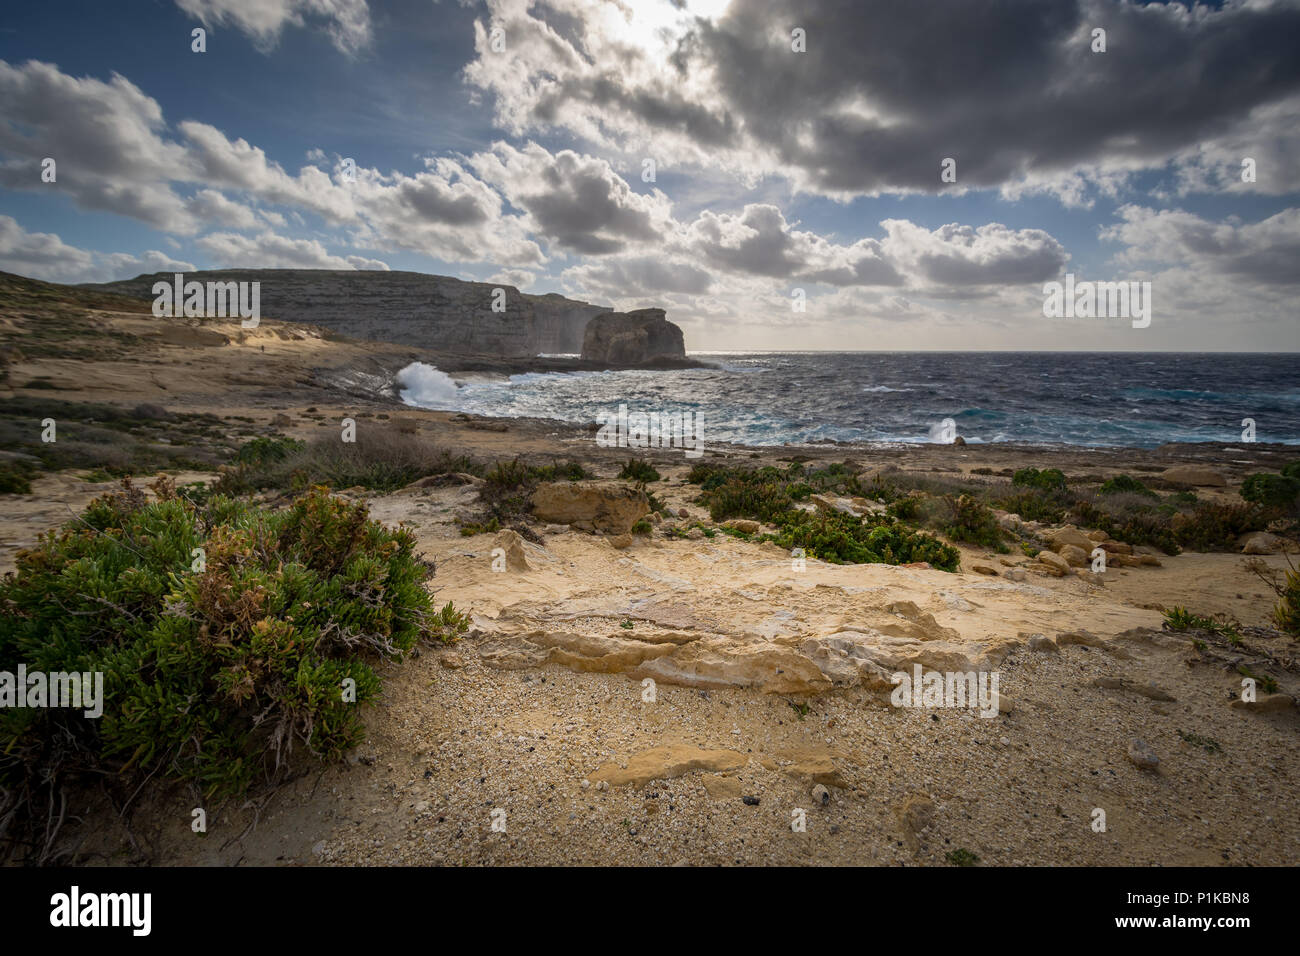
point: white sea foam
(425, 386)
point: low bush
(16, 477)
(744, 499)
(1134, 527)
(1049, 479)
(1033, 504)
(381, 459)
(1286, 613)
(508, 486)
(639, 470)
(839, 538)
(1125, 484)
(216, 663)
(1277, 493)
(972, 522)
(1216, 526)
(1181, 619)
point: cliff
(408, 308)
(642, 337)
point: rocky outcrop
(608, 506)
(642, 337)
(1260, 542)
(408, 308)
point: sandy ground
(474, 730)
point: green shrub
(1274, 492)
(211, 676)
(508, 486)
(1215, 526)
(1286, 613)
(973, 523)
(1138, 527)
(1125, 484)
(1181, 619)
(839, 538)
(640, 470)
(1033, 505)
(907, 508)
(737, 498)
(708, 476)
(1049, 479)
(266, 451)
(16, 477)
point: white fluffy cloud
(347, 21)
(271, 251)
(1264, 252)
(43, 255)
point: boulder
(1194, 476)
(1057, 563)
(608, 506)
(1074, 557)
(1260, 542)
(1070, 535)
(632, 338)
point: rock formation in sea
(408, 308)
(642, 337)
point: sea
(1129, 399)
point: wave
(425, 386)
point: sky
(776, 174)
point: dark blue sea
(1051, 398)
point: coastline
(769, 679)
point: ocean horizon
(1131, 399)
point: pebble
(1141, 754)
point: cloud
(1261, 253)
(346, 21)
(638, 277)
(271, 251)
(579, 202)
(115, 153)
(43, 255)
(104, 138)
(960, 256)
(1012, 91)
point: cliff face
(632, 338)
(408, 308)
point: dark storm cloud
(887, 90)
